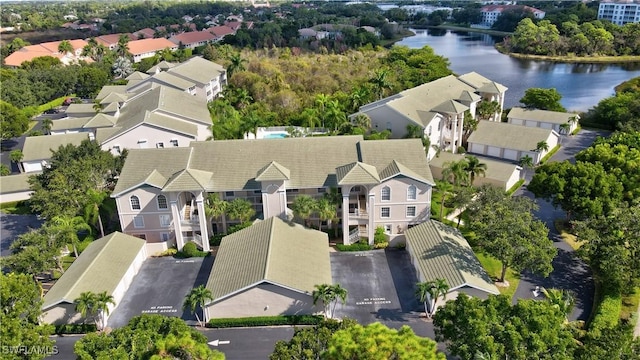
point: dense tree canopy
(20, 316)
(12, 121)
(543, 99)
(494, 328)
(618, 112)
(309, 342)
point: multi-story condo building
(491, 13)
(619, 12)
(161, 193)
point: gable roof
(138, 47)
(508, 136)
(443, 253)
(407, 152)
(273, 172)
(273, 251)
(161, 66)
(100, 267)
(189, 179)
(198, 70)
(69, 123)
(114, 97)
(554, 117)
(40, 147)
(108, 89)
(478, 82)
(357, 173)
(192, 37)
(167, 79)
(15, 183)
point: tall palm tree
(240, 209)
(326, 212)
(335, 198)
(526, 162)
(236, 64)
(474, 168)
(414, 131)
(215, 207)
(92, 209)
(65, 47)
(303, 206)
(542, 146)
(431, 291)
(329, 295)
(68, 228)
(455, 172)
(16, 156)
(487, 109)
(358, 97)
(321, 101)
(197, 297)
(380, 82)
(340, 294)
(85, 304)
(564, 128)
(445, 188)
(46, 126)
(122, 49)
(362, 121)
(101, 306)
(335, 115)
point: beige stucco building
(161, 193)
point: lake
(582, 86)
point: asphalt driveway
(12, 225)
(160, 288)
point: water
(275, 136)
(582, 86)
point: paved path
(569, 272)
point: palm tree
(561, 300)
(85, 304)
(358, 97)
(526, 162)
(474, 167)
(455, 172)
(542, 146)
(380, 82)
(303, 206)
(335, 115)
(335, 198)
(329, 295)
(564, 128)
(16, 156)
(46, 126)
(197, 297)
(326, 212)
(414, 131)
(236, 63)
(92, 209)
(321, 100)
(445, 188)
(240, 209)
(122, 49)
(362, 121)
(215, 207)
(122, 67)
(101, 306)
(65, 47)
(487, 109)
(431, 291)
(68, 228)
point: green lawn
(494, 268)
(436, 199)
(630, 304)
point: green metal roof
(273, 172)
(498, 170)
(441, 252)
(195, 70)
(108, 89)
(547, 116)
(357, 173)
(408, 152)
(273, 251)
(69, 123)
(100, 267)
(40, 147)
(14, 183)
(508, 136)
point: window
(322, 190)
(160, 145)
(135, 203)
(411, 192)
(411, 211)
(138, 221)
(164, 236)
(229, 193)
(142, 143)
(385, 212)
(387, 228)
(385, 193)
(174, 142)
(162, 202)
(165, 220)
(140, 236)
(257, 191)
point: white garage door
(510, 154)
(531, 123)
(546, 125)
(476, 148)
(493, 151)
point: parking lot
(13, 226)
(380, 285)
(160, 288)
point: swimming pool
(275, 136)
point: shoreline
(557, 59)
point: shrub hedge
(265, 321)
(190, 250)
(359, 246)
(75, 329)
(608, 313)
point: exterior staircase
(187, 212)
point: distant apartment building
(619, 12)
(491, 13)
(30, 52)
(145, 48)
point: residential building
(145, 48)
(491, 13)
(15, 188)
(146, 33)
(30, 52)
(619, 12)
(37, 150)
(438, 251)
(220, 31)
(501, 174)
(544, 119)
(193, 39)
(511, 142)
(161, 193)
(437, 108)
(270, 268)
(111, 40)
(106, 265)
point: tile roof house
(439, 251)
(193, 39)
(161, 192)
(142, 49)
(267, 269)
(30, 52)
(437, 107)
(107, 265)
(111, 40)
(146, 33)
(220, 31)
